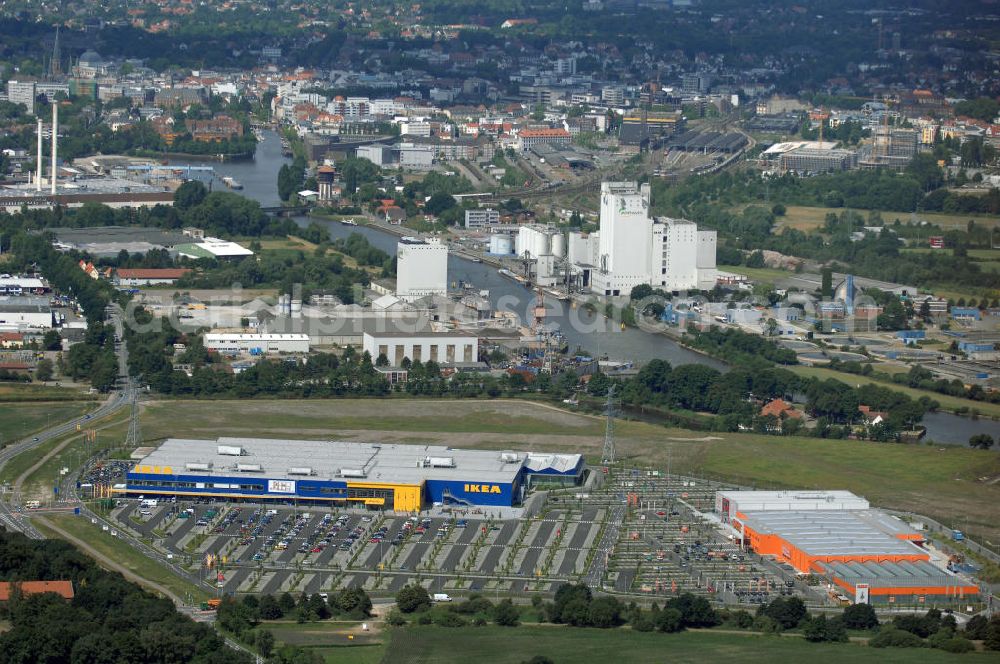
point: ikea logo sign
(482, 488)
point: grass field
(123, 554)
(38, 485)
(569, 645)
(949, 484)
(808, 218)
(18, 392)
(947, 402)
(330, 640)
(766, 275)
(18, 420)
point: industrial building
(634, 248)
(405, 478)
(421, 268)
(868, 554)
(449, 347)
(258, 344)
(534, 240)
(19, 313)
(811, 160)
(481, 218)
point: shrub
(891, 637)
(412, 598)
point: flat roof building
(257, 344)
(380, 476)
(868, 553)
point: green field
(17, 392)
(569, 645)
(22, 419)
(808, 218)
(39, 483)
(947, 402)
(122, 553)
(160, 419)
(950, 484)
(330, 640)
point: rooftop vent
(302, 470)
(352, 472)
(229, 450)
(509, 457)
(439, 462)
(249, 468)
(198, 466)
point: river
(581, 328)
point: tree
(52, 340)
(190, 194)
(778, 210)
(819, 628)
(269, 609)
(860, 616)
(826, 287)
(286, 602)
(787, 612)
(668, 620)
(264, 642)
(43, 370)
(640, 292)
(412, 598)
(982, 441)
(604, 612)
(506, 614)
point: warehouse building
(448, 347)
(257, 344)
(871, 555)
(25, 312)
(404, 478)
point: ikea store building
(379, 476)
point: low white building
(257, 343)
(421, 268)
(18, 313)
(442, 347)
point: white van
(147, 502)
(441, 597)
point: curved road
(11, 511)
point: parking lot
(269, 549)
(640, 532)
(671, 542)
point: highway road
(12, 513)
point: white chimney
(38, 163)
(55, 142)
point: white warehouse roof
(789, 501)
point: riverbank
(220, 158)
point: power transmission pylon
(134, 437)
(608, 455)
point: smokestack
(38, 163)
(55, 142)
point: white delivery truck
(441, 597)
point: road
(599, 564)
(11, 511)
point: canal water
(581, 328)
